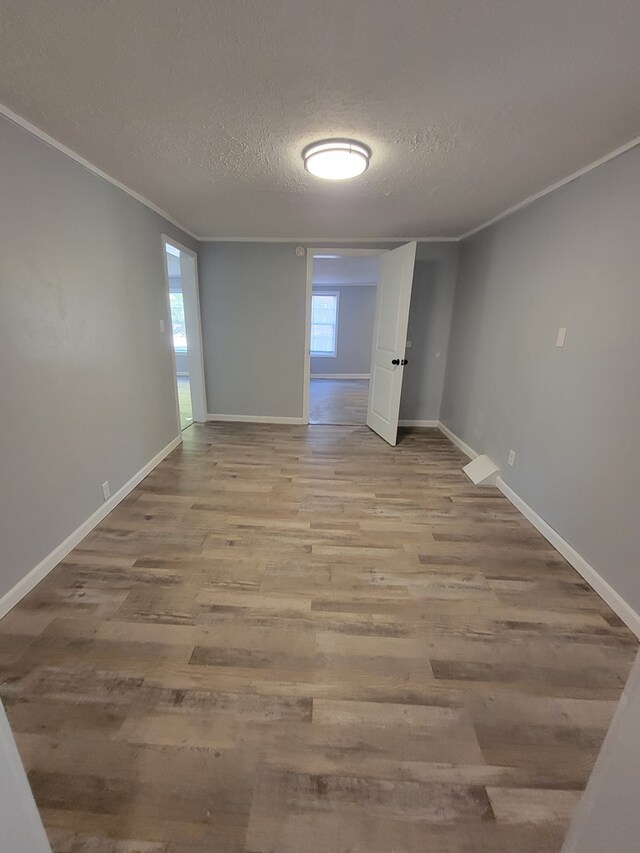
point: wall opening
(342, 315)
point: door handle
(399, 361)
(395, 361)
(404, 361)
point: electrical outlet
(106, 490)
(512, 457)
(562, 336)
(162, 326)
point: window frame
(336, 293)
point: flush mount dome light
(336, 159)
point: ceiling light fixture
(336, 159)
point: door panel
(380, 394)
(189, 277)
(389, 340)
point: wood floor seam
(297, 638)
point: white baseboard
(608, 594)
(13, 596)
(340, 376)
(255, 419)
(592, 577)
(418, 423)
(459, 443)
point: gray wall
(572, 415)
(429, 327)
(86, 387)
(252, 300)
(355, 330)
(252, 304)
(607, 817)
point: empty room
(343, 307)
(319, 414)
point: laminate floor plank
(338, 401)
(299, 638)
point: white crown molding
(68, 152)
(33, 577)
(611, 155)
(329, 241)
(553, 187)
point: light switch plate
(512, 457)
(562, 336)
(162, 326)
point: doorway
(342, 290)
(179, 336)
(186, 336)
(329, 273)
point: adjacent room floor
(338, 401)
(300, 639)
(184, 401)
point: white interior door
(188, 266)
(389, 340)
(189, 278)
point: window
(176, 302)
(324, 324)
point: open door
(195, 359)
(389, 340)
(181, 272)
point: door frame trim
(311, 251)
(200, 378)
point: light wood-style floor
(184, 401)
(297, 639)
(338, 401)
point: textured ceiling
(203, 107)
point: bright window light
(178, 325)
(324, 325)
